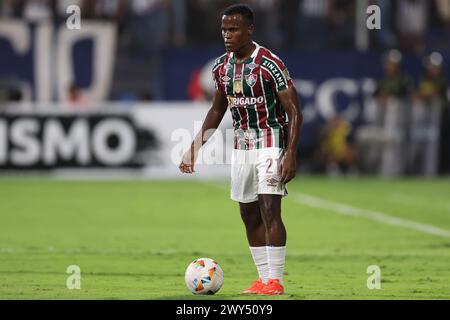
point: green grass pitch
(134, 239)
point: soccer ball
(204, 276)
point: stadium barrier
(148, 139)
(142, 139)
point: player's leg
(270, 192)
(244, 189)
(254, 226)
(275, 231)
(256, 235)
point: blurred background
(113, 93)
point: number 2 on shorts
(269, 165)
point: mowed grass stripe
(426, 202)
(133, 240)
(348, 210)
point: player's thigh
(269, 179)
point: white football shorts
(255, 172)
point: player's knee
(272, 220)
(270, 211)
(271, 214)
(251, 219)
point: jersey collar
(252, 57)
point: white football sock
(259, 255)
(276, 257)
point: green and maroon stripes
(238, 81)
(250, 81)
(258, 117)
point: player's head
(237, 26)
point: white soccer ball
(204, 276)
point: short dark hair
(244, 10)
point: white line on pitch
(348, 210)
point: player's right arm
(212, 121)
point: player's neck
(244, 53)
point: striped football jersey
(251, 88)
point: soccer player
(255, 85)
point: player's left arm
(290, 102)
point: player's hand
(288, 167)
(188, 161)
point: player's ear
(250, 29)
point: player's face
(235, 32)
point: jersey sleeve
(216, 75)
(278, 72)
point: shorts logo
(251, 79)
(272, 182)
